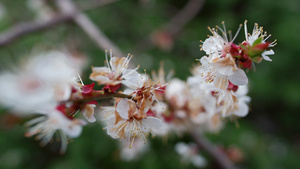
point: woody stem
(216, 153)
(102, 96)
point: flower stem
(216, 153)
(112, 95)
(102, 96)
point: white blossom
(52, 121)
(41, 80)
(24, 92)
(235, 103)
(220, 72)
(177, 93)
(259, 33)
(128, 122)
(56, 69)
(116, 72)
(189, 154)
(88, 112)
(135, 152)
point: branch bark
(216, 153)
(101, 97)
(188, 12)
(93, 4)
(67, 6)
(68, 11)
(22, 29)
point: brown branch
(216, 153)
(71, 13)
(184, 16)
(101, 97)
(93, 4)
(175, 25)
(22, 29)
(67, 6)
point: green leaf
(257, 41)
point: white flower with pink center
(219, 73)
(24, 92)
(116, 72)
(202, 104)
(144, 93)
(43, 79)
(177, 93)
(57, 69)
(234, 101)
(128, 122)
(220, 66)
(217, 46)
(52, 121)
(259, 33)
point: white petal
(117, 64)
(225, 70)
(73, 130)
(114, 130)
(221, 82)
(182, 149)
(101, 70)
(266, 58)
(88, 112)
(201, 118)
(239, 78)
(152, 123)
(243, 109)
(102, 79)
(62, 92)
(123, 108)
(132, 79)
(245, 99)
(128, 91)
(113, 63)
(52, 66)
(23, 99)
(204, 61)
(100, 74)
(198, 161)
(213, 44)
(242, 91)
(265, 53)
(177, 92)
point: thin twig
(25, 28)
(93, 4)
(184, 16)
(175, 25)
(216, 153)
(22, 29)
(102, 96)
(67, 6)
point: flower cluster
(49, 85)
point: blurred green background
(268, 137)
